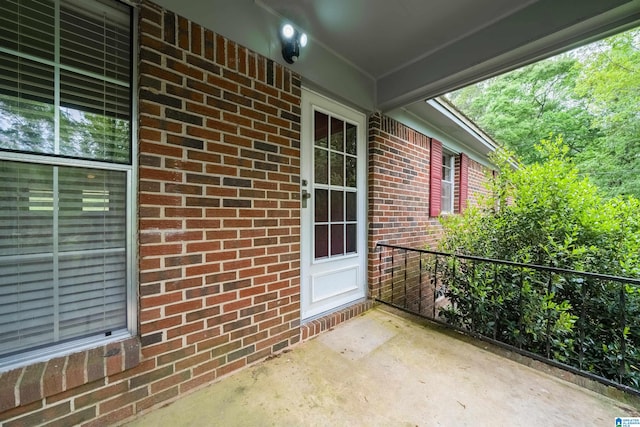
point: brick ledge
(315, 327)
(31, 383)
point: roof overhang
(441, 120)
(383, 55)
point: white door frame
(330, 283)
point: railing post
(495, 305)
(520, 311)
(405, 278)
(420, 284)
(623, 325)
(474, 276)
(380, 274)
(581, 326)
(393, 271)
(453, 274)
(435, 286)
(549, 286)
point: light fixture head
(288, 31)
(292, 41)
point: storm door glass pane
(337, 206)
(351, 172)
(337, 169)
(337, 239)
(321, 167)
(337, 134)
(351, 238)
(321, 241)
(335, 186)
(321, 124)
(352, 206)
(321, 205)
(351, 139)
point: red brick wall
(219, 233)
(219, 206)
(399, 185)
(478, 176)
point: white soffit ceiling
(388, 54)
(381, 36)
(417, 49)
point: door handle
(305, 196)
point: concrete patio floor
(383, 369)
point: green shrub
(547, 214)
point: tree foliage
(590, 96)
(610, 78)
(548, 214)
(522, 107)
(30, 126)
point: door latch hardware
(305, 196)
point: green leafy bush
(547, 214)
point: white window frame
(81, 344)
(449, 158)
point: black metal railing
(587, 323)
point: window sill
(47, 378)
(444, 214)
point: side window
(65, 165)
(447, 187)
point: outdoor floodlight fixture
(292, 41)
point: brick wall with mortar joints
(399, 190)
(219, 208)
(479, 176)
(398, 183)
(219, 231)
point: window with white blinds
(65, 172)
(65, 92)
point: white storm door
(333, 215)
